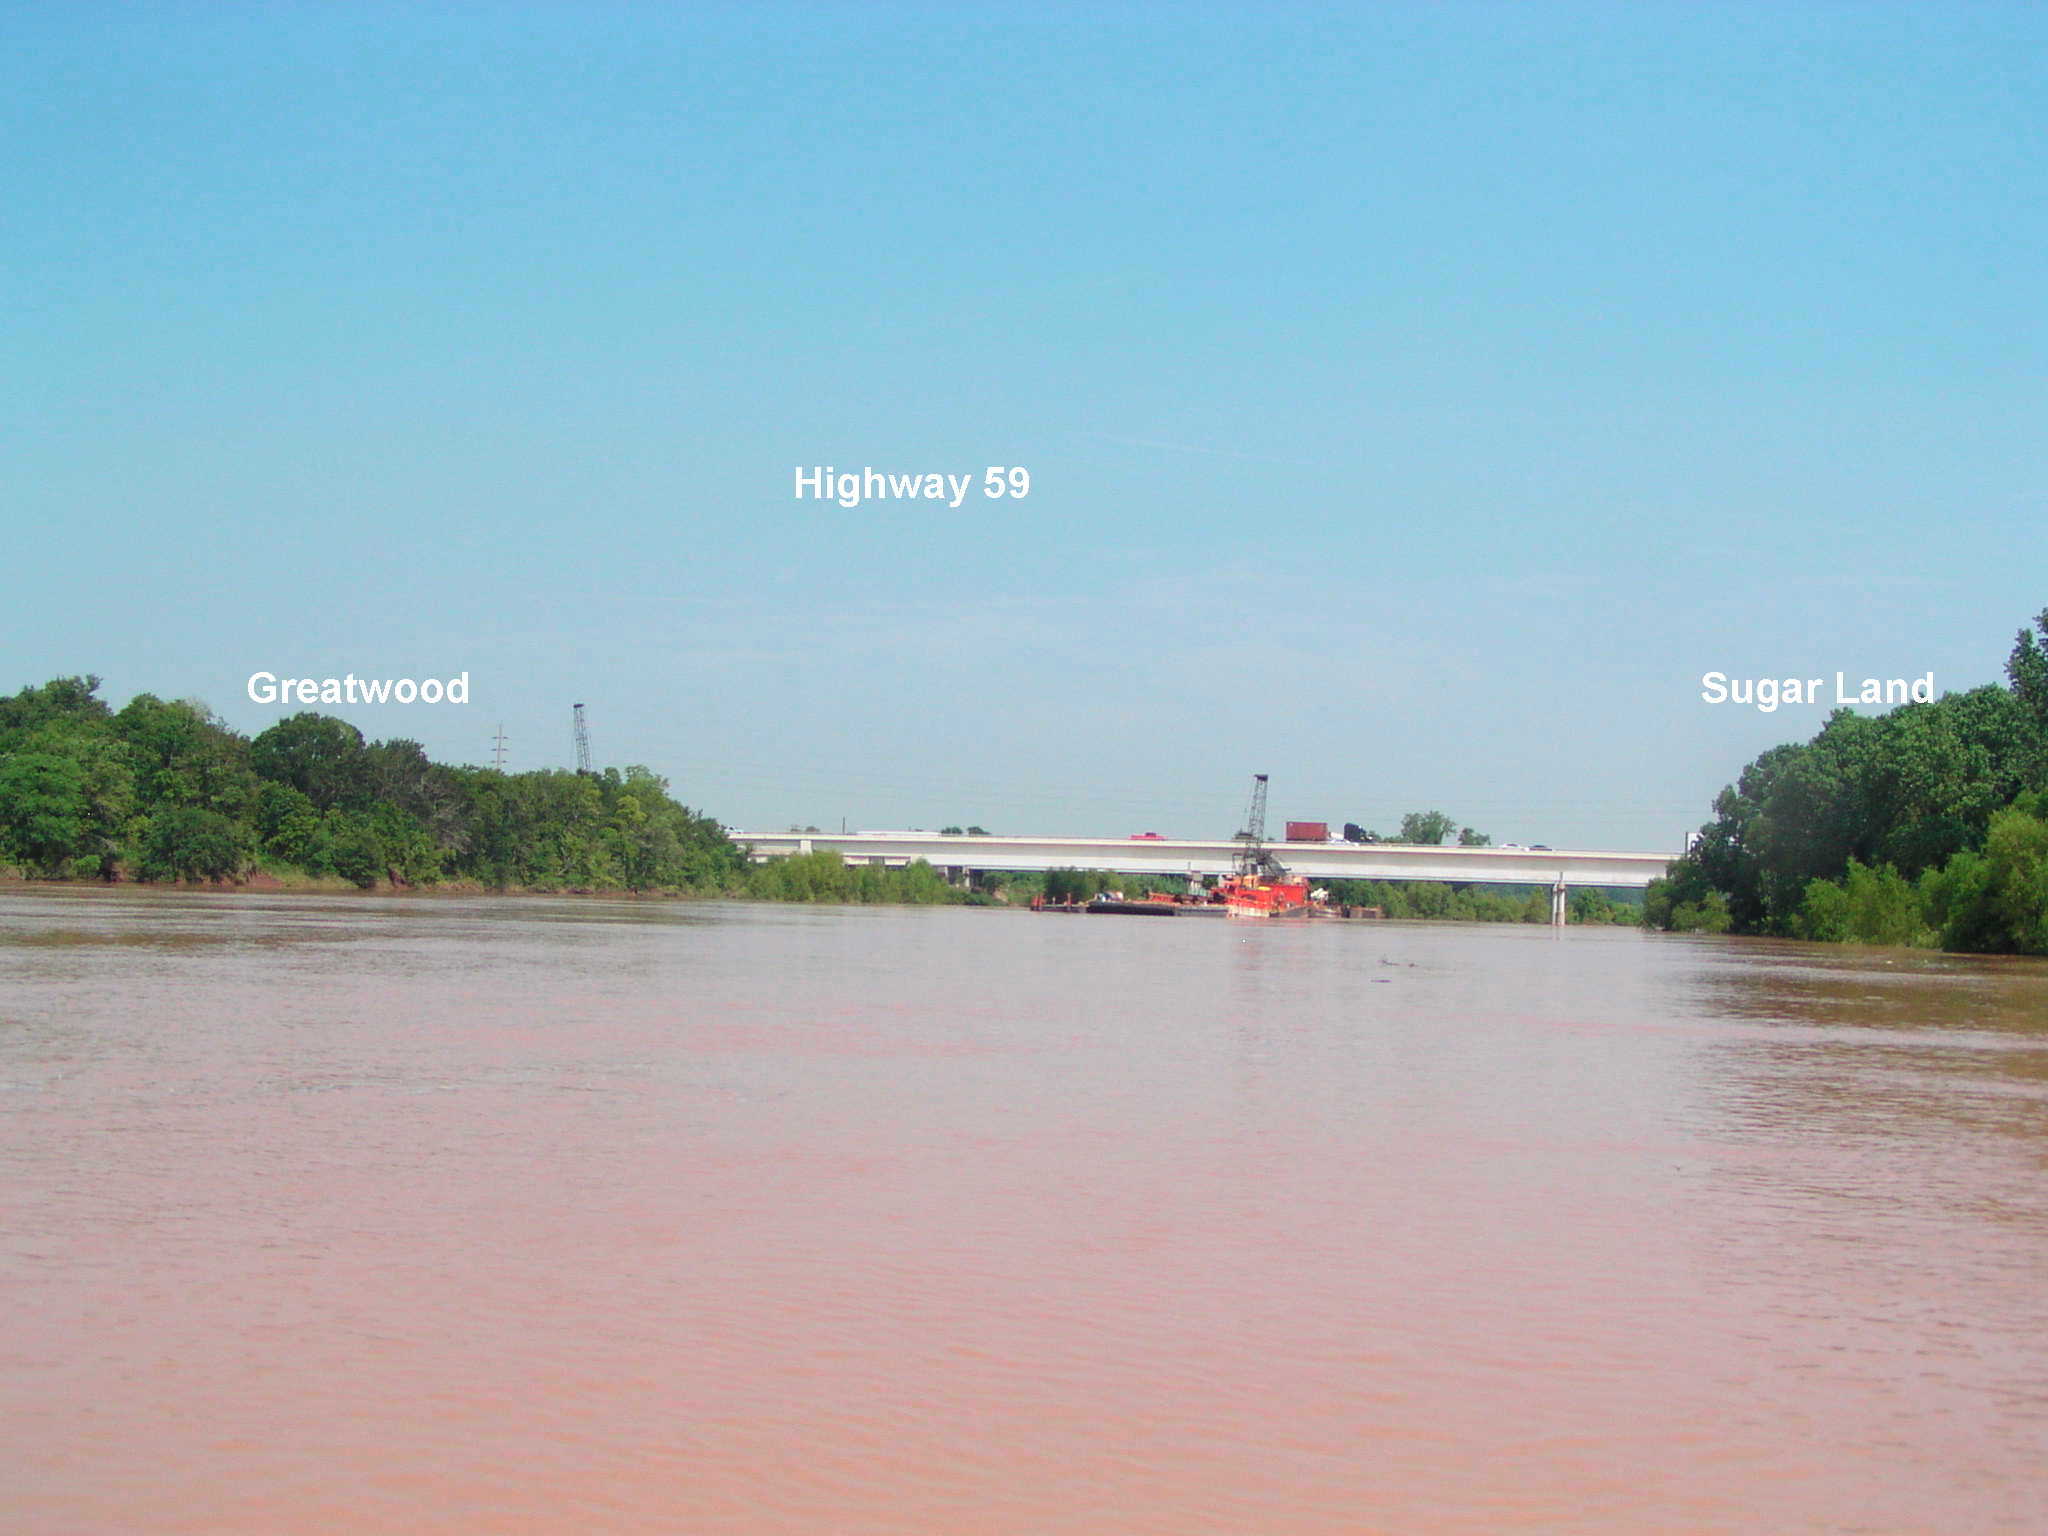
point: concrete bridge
(1557, 869)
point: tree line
(1430, 828)
(1480, 902)
(1926, 825)
(163, 790)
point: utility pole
(582, 742)
(498, 748)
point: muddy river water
(442, 1215)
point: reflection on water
(380, 1214)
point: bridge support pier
(1557, 903)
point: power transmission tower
(582, 742)
(498, 748)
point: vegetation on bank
(1438, 901)
(1927, 825)
(164, 791)
(1433, 900)
(824, 876)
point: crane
(1252, 855)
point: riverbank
(297, 883)
(269, 884)
(272, 883)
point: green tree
(1936, 772)
(405, 848)
(1073, 885)
(184, 755)
(287, 824)
(1881, 906)
(1588, 905)
(823, 876)
(1824, 914)
(1467, 838)
(105, 776)
(2026, 669)
(1811, 816)
(188, 842)
(67, 699)
(319, 756)
(1428, 898)
(1875, 830)
(1996, 901)
(1425, 827)
(82, 786)
(45, 815)
(1707, 915)
(1723, 859)
(349, 848)
(399, 773)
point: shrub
(187, 843)
(1707, 915)
(1824, 914)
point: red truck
(1308, 831)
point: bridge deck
(1135, 856)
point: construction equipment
(582, 743)
(1252, 856)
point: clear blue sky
(1417, 401)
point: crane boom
(1255, 814)
(1252, 857)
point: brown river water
(437, 1215)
